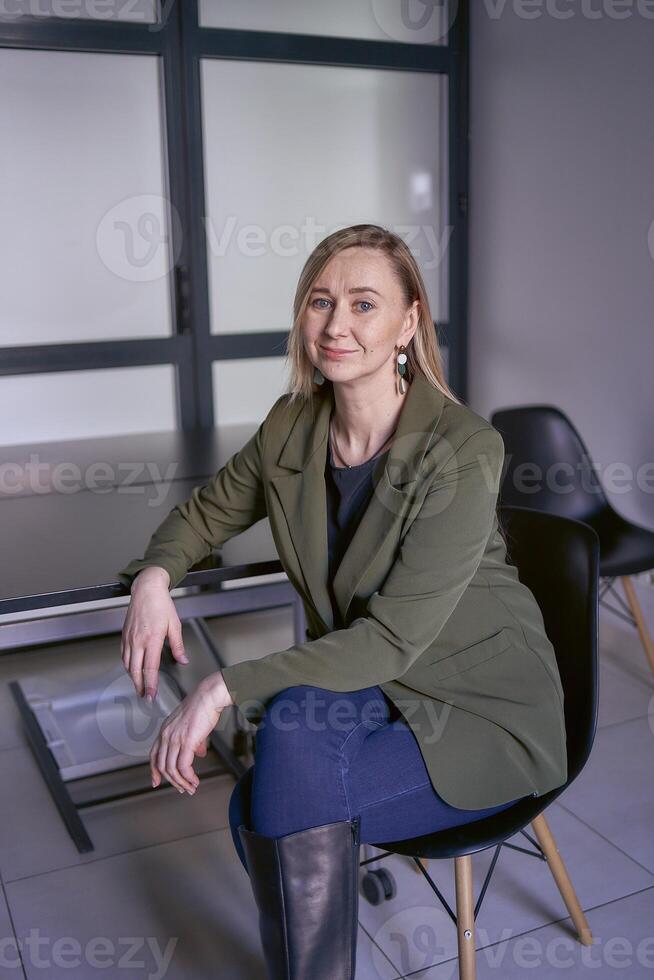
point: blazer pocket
(470, 656)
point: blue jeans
(323, 756)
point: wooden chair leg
(637, 613)
(561, 877)
(465, 917)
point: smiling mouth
(336, 350)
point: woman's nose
(338, 318)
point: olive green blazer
(434, 614)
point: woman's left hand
(184, 732)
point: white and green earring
(401, 368)
(318, 376)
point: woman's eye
(320, 299)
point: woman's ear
(411, 321)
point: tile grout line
(604, 838)
(116, 854)
(400, 975)
(625, 721)
(13, 927)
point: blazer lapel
(302, 497)
(302, 493)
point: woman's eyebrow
(355, 289)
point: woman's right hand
(151, 617)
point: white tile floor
(163, 894)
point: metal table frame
(193, 610)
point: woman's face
(356, 316)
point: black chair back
(547, 465)
(558, 560)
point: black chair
(558, 559)
(548, 467)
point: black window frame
(180, 42)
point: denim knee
(305, 709)
(287, 714)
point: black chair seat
(625, 548)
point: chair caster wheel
(378, 886)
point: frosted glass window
(84, 251)
(135, 11)
(293, 152)
(82, 404)
(245, 389)
(410, 21)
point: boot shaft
(306, 887)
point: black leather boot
(306, 886)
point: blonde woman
(427, 692)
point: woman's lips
(335, 354)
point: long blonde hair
(423, 354)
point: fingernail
(148, 697)
(154, 784)
(185, 660)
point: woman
(381, 489)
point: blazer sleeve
(230, 502)
(436, 560)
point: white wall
(561, 206)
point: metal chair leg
(562, 878)
(423, 861)
(465, 917)
(637, 613)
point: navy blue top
(348, 492)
